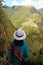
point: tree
(1, 2)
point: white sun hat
(19, 34)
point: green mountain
(40, 11)
(20, 14)
(28, 19)
(33, 9)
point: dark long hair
(18, 42)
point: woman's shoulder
(25, 43)
(12, 41)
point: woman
(18, 50)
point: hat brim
(19, 38)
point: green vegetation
(6, 29)
(35, 41)
(18, 15)
(41, 14)
(34, 37)
(13, 18)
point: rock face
(41, 11)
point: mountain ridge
(20, 14)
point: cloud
(15, 2)
(27, 2)
(39, 4)
(23, 2)
(35, 3)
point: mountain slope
(41, 14)
(41, 11)
(21, 14)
